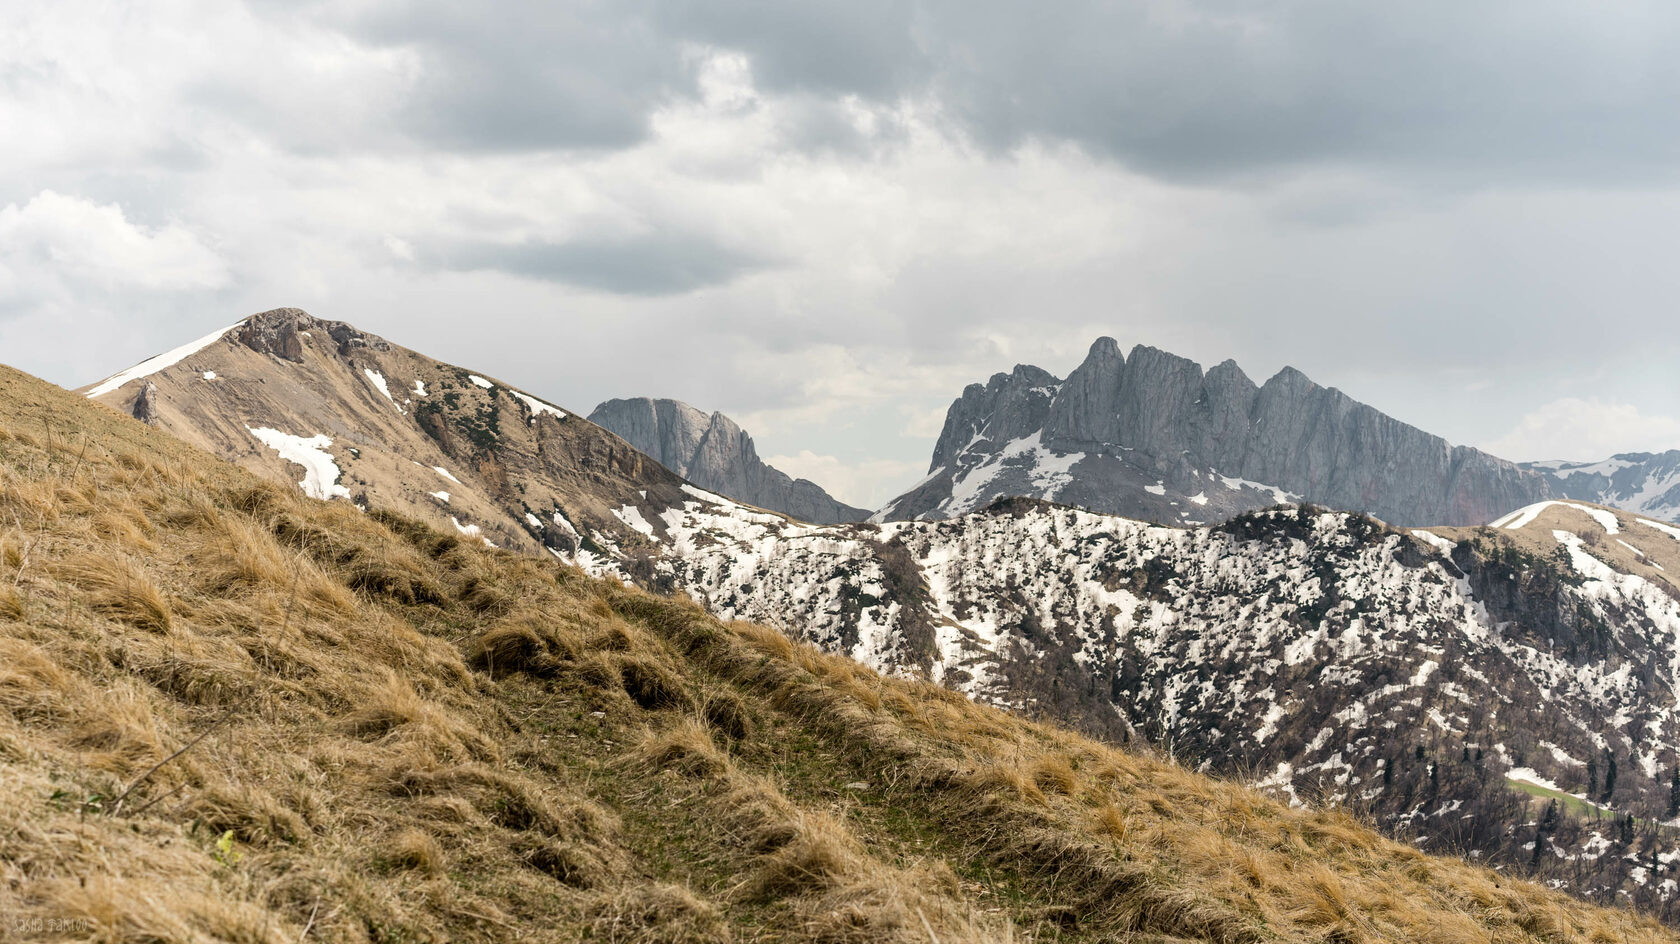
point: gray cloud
(654, 265)
(1453, 211)
(1215, 88)
(1475, 93)
(525, 76)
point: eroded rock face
(1151, 435)
(276, 333)
(714, 453)
(280, 332)
(145, 405)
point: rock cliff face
(714, 453)
(1152, 436)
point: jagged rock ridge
(714, 453)
(1151, 436)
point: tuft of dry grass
(11, 603)
(118, 589)
(686, 747)
(415, 850)
(657, 914)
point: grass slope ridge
(233, 713)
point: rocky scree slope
(237, 713)
(348, 415)
(714, 453)
(1151, 436)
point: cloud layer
(826, 218)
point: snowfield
(152, 365)
(320, 475)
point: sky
(825, 218)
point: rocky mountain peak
(280, 332)
(1150, 435)
(715, 453)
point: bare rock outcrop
(714, 453)
(1150, 435)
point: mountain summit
(1150, 435)
(714, 453)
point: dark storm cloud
(653, 265)
(862, 47)
(1187, 89)
(526, 76)
(1214, 89)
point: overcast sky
(826, 218)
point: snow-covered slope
(1416, 674)
(1641, 482)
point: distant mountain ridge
(1151, 436)
(1646, 483)
(713, 452)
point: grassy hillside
(234, 713)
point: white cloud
(869, 484)
(1585, 430)
(901, 260)
(79, 241)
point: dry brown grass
(403, 737)
(117, 588)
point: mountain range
(235, 712)
(1154, 437)
(1453, 683)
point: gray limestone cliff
(1150, 435)
(715, 454)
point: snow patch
(162, 361)
(1522, 517)
(445, 473)
(632, 518)
(480, 381)
(1667, 529)
(538, 407)
(378, 380)
(1529, 776)
(320, 472)
(1436, 541)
